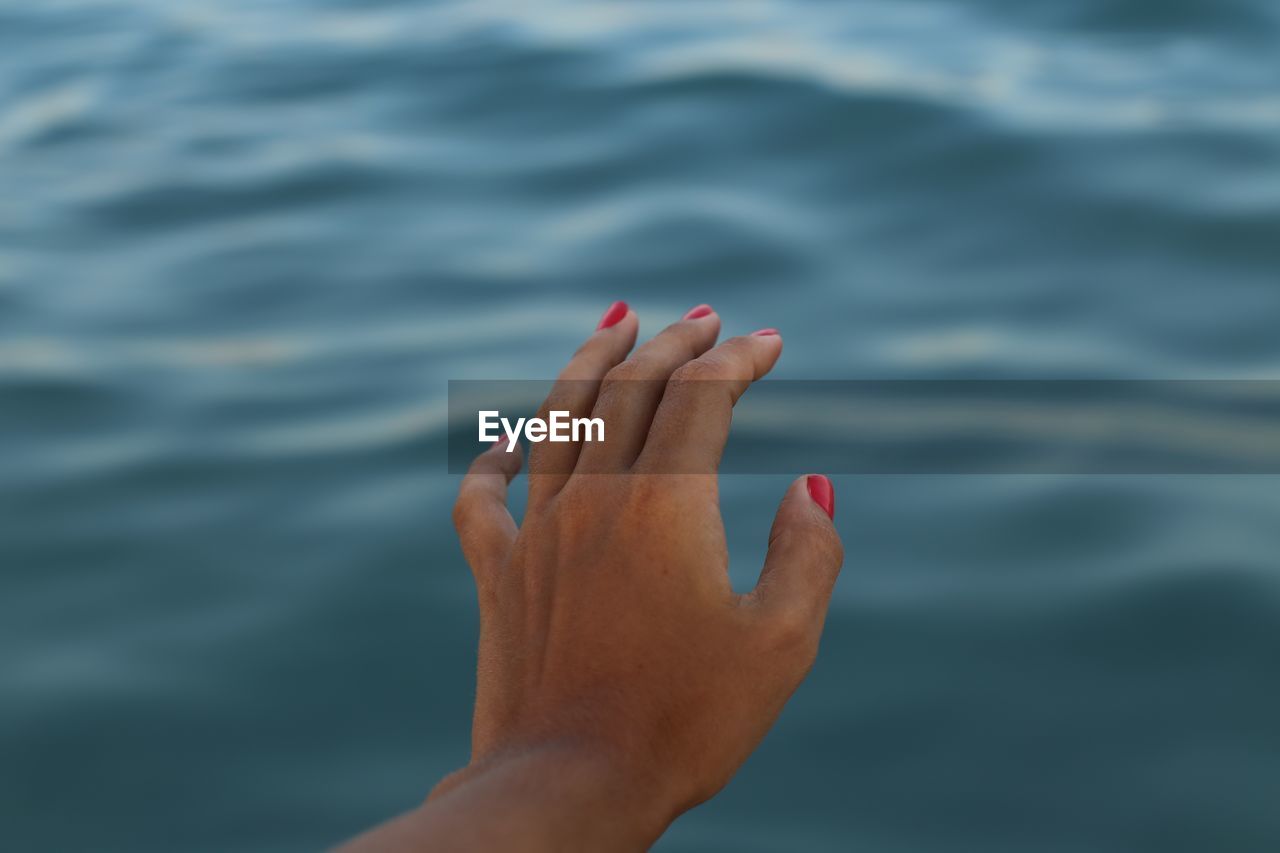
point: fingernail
(822, 493)
(697, 311)
(763, 332)
(499, 441)
(616, 312)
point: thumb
(485, 527)
(804, 558)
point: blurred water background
(244, 244)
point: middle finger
(631, 391)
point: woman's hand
(621, 681)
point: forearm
(550, 798)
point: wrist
(579, 792)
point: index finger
(575, 392)
(692, 423)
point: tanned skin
(621, 680)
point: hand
(621, 681)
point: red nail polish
(822, 493)
(763, 332)
(697, 311)
(616, 312)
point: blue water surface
(245, 243)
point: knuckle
(624, 371)
(814, 536)
(462, 513)
(698, 370)
(469, 511)
(825, 542)
(644, 493)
